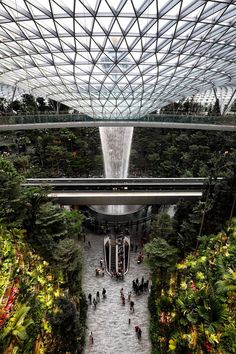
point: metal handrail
(27, 118)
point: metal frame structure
(117, 58)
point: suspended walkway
(129, 191)
(170, 121)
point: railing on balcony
(162, 118)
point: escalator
(117, 255)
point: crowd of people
(140, 286)
(137, 288)
(127, 298)
(96, 298)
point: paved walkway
(109, 323)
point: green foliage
(17, 326)
(68, 255)
(176, 153)
(74, 221)
(65, 326)
(57, 153)
(45, 262)
(9, 192)
(160, 254)
(197, 313)
(162, 226)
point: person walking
(132, 306)
(89, 244)
(104, 293)
(98, 296)
(121, 292)
(90, 298)
(94, 303)
(123, 300)
(91, 337)
(138, 331)
(129, 296)
(101, 263)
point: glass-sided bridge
(175, 121)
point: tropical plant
(15, 333)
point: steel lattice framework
(117, 58)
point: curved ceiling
(117, 58)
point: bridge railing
(162, 118)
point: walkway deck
(109, 322)
(170, 121)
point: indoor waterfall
(116, 145)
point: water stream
(116, 146)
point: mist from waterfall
(116, 146)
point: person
(140, 258)
(91, 337)
(103, 272)
(89, 244)
(104, 293)
(101, 263)
(121, 292)
(84, 236)
(139, 333)
(129, 296)
(90, 298)
(98, 296)
(94, 303)
(123, 300)
(132, 306)
(131, 247)
(136, 248)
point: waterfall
(116, 146)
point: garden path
(109, 323)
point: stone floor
(109, 323)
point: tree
(16, 106)
(216, 108)
(3, 104)
(73, 219)
(10, 197)
(68, 255)
(65, 325)
(162, 226)
(161, 258)
(41, 104)
(29, 103)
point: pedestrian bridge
(128, 191)
(170, 121)
(122, 198)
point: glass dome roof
(117, 58)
